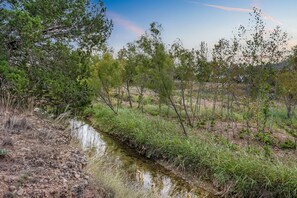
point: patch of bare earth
(231, 132)
(37, 160)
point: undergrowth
(247, 174)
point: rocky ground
(38, 160)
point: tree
(184, 71)
(51, 41)
(106, 77)
(161, 70)
(128, 58)
(36, 24)
(287, 89)
(259, 51)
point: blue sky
(194, 21)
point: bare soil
(37, 159)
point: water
(137, 169)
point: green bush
(13, 79)
(60, 91)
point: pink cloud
(228, 8)
(234, 9)
(117, 19)
(273, 20)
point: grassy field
(238, 172)
(280, 132)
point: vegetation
(246, 173)
(226, 106)
(114, 185)
(45, 50)
(3, 152)
(234, 104)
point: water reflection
(145, 173)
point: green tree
(185, 63)
(161, 70)
(35, 24)
(287, 89)
(106, 77)
(128, 58)
(51, 41)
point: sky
(194, 21)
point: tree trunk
(140, 97)
(179, 117)
(184, 104)
(129, 94)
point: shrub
(13, 79)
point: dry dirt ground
(38, 160)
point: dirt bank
(38, 160)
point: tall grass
(113, 185)
(245, 174)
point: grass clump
(246, 173)
(113, 185)
(3, 152)
(288, 144)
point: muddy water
(138, 170)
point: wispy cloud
(117, 19)
(228, 8)
(234, 9)
(272, 19)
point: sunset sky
(194, 21)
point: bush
(58, 85)
(59, 91)
(13, 79)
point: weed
(264, 138)
(288, 144)
(3, 152)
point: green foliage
(288, 144)
(106, 77)
(33, 24)
(265, 138)
(13, 79)
(287, 89)
(3, 152)
(244, 133)
(47, 47)
(107, 73)
(250, 173)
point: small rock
(20, 192)
(86, 183)
(77, 176)
(12, 188)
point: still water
(138, 170)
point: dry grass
(113, 182)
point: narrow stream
(145, 173)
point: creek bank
(235, 172)
(37, 159)
(136, 172)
